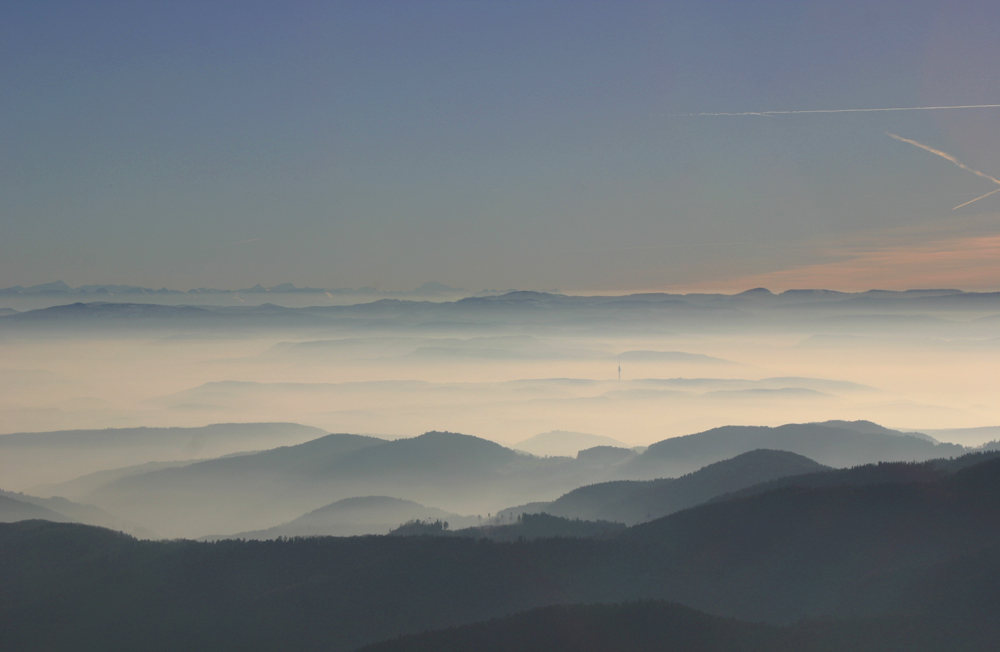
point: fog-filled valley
(114, 404)
(512, 366)
(805, 439)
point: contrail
(954, 160)
(900, 108)
(943, 155)
(992, 192)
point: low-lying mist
(269, 420)
(507, 372)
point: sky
(495, 145)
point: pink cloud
(971, 263)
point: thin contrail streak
(992, 192)
(899, 108)
(949, 157)
(944, 155)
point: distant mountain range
(60, 288)
(433, 287)
(826, 311)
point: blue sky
(497, 145)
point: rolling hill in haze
(35, 458)
(13, 510)
(965, 436)
(670, 356)
(925, 550)
(356, 516)
(635, 501)
(836, 444)
(62, 510)
(456, 473)
(233, 493)
(563, 443)
(627, 502)
(85, 484)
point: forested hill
(649, 626)
(636, 501)
(636, 627)
(777, 557)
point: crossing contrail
(948, 157)
(944, 155)
(898, 108)
(992, 192)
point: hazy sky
(498, 145)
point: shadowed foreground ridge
(929, 549)
(653, 626)
(637, 627)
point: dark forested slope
(880, 473)
(777, 556)
(525, 527)
(654, 626)
(637, 501)
(636, 627)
